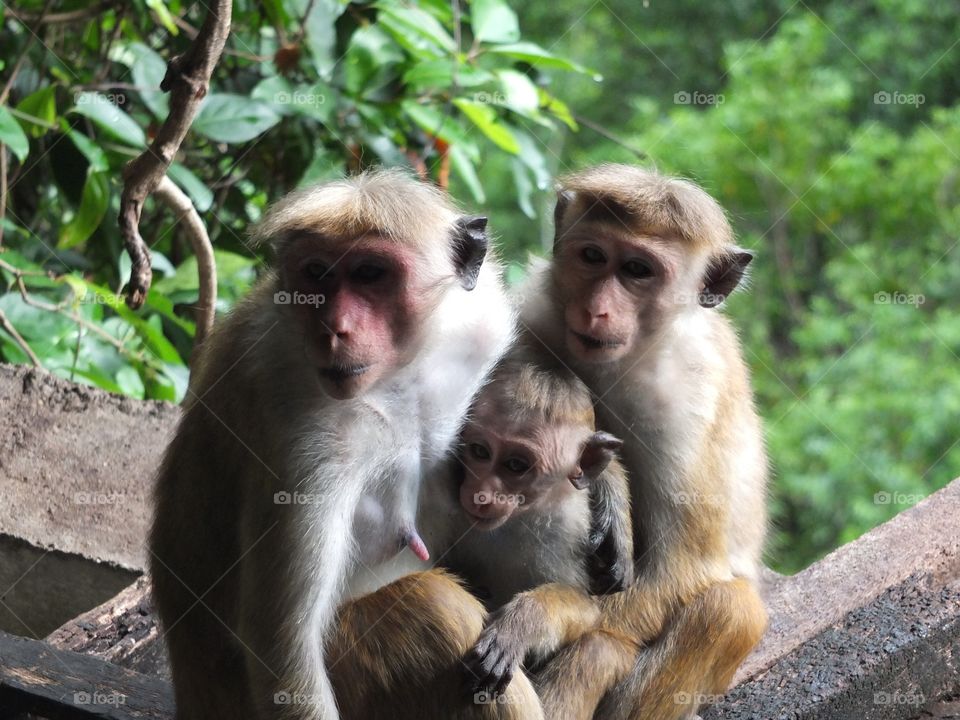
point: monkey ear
(564, 200)
(723, 275)
(597, 453)
(469, 248)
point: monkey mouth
(594, 343)
(341, 373)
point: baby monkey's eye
(518, 466)
(315, 270)
(478, 451)
(592, 255)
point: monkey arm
(533, 625)
(610, 563)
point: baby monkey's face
(511, 468)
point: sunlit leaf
(486, 119)
(494, 21)
(41, 105)
(109, 117)
(12, 135)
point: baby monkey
(536, 515)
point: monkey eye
(478, 451)
(315, 270)
(637, 269)
(517, 466)
(367, 273)
(592, 256)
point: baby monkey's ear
(596, 454)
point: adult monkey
(640, 262)
(316, 407)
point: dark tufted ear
(469, 248)
(723, 275)
(564, 199)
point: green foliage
(306, 91)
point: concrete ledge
(76, 465)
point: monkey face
(360, 307)
(616, 289)
(510, 470)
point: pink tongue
(415, 543)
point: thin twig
(187, 80)
(70, 16)
(175, 199)
(603, 132)
(24, 345)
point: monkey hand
(610, 564)
(497, 654)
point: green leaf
(129, 382)
(415, 29)
(148, 70)
(538, 57)
(12, 135)
(234, 118)
(110, 118)
(370, 61)
(485, 118)
(276, 92)
(494, 21)
(467, 172)
(521, 180)
(557, 108)
(90, 150)
(520, 94)
(434, 74)
(163, 15)
(322, 34)
(41, 105)
(192, 185)
(441, 125)
(93, 206)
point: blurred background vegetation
(829, 130)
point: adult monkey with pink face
(629, 303)
(315, 408)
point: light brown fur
(676, 389)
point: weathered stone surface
(922, 540)
(887, 660)
(76, 465)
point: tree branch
(8, 326)
(187, 80)
(175, 199)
